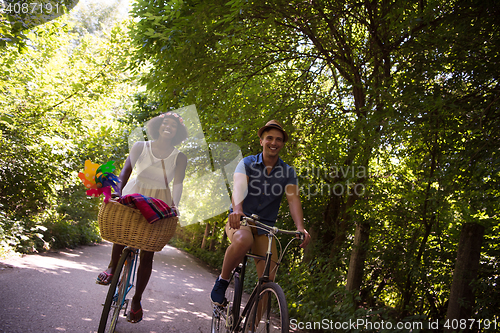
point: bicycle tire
(236, 301)
(124, 283)
(275, 318)
(109, 318)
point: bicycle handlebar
(274, 230)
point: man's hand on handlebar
(237, 218)
(234, 219)
(307, 238)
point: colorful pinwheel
(99, 179)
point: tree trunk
(205, 236)
(358, 256)
(224, 242)
(342, 225)
(212, 241)
(461, 295)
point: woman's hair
(155, 123)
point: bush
(189, 239)
(20, 235)
(78, 219)
(69, 222)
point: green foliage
(62, 100)
(96, 18)
(75, 223)
(19, 17)
(15, 235)
(399, 99)
(487, 284)
(406, 91)
(189, 238)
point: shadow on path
(56, 292)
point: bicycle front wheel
(116, 294)
(269, 312)
(224, 318)
(218, 321)
(235, 302)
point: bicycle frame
(272, 231)
(129, 284)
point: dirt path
(56, 292)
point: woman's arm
(180, 173)
(130, 163)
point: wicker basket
(124, 225)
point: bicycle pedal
(125, 307)
(221, 306)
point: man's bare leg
(240, 244)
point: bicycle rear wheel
(269, 312)
(116, 294)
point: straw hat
(273, 124)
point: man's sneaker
(218, 294)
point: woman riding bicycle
(156, 164)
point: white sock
(220, 277)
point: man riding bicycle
(259, 184)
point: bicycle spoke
(269, 312)
(113, 317)
(218, 319)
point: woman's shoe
(104, 278)
(134, 316)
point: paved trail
(56, 292)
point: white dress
(150, 175)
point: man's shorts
(260, 242)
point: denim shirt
(265, 191)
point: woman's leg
(143, 275)
(116, 253)
(106, 276)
